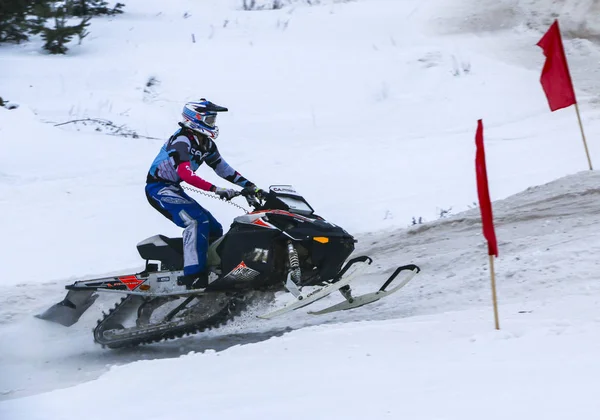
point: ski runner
(177, 161)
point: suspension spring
(294, 263)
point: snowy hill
(368, 363)
(369, 109)
(382, 119)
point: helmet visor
(208, 119)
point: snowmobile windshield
(296, 206)
(285, 197)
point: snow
(543, 364)
(369, 108)
(382, 123)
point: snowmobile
(280, 246)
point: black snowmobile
(281, 245)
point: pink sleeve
(185, 173)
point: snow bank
(578, 18)
(508, 31)
(542, 364)
(548, 250)
(278, 4)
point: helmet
(201, 117)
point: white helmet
(201, 117)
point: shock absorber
(294, 263)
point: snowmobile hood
(297, 226)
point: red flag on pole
(556, 79)
(485, 204)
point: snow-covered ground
(375, 126)
(369, 109)
(444, 366)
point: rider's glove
(252, 189)
(225, 193)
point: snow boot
(194, 281)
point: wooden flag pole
(556, 77)
(583, 137)
(494, 296)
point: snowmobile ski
(352, 302)
(342, 279)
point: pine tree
(56, 38)
(21, 18)
(95, 8)
(14, 22)
(41, 12)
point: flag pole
(587, 153)
(494, 296)
(485, 205)
(556, 77)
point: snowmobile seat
(169, 251)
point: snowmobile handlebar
(253, 198)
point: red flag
(556, 79)
(487, 219)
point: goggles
(207, 119)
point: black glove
(225, 193)
(252, 189)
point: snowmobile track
(234, 307)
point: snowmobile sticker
(131, 281)
(287, 189)
(116, 285)
(242, 272)
(260, 255)
(260, 222)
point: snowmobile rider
(177, 161)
